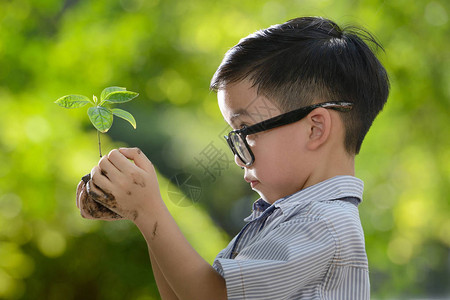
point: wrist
(149, 215)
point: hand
(90, 209)
(126, 187)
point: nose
(238, 161)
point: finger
(102, 197)
(87, 206)
(107, 168)
(119, 160)
(101, 212)
(80, 187)
(83, 202)
(90, 209)
(99, 179)
(94, 191)
(139, 158)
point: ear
(319, 126)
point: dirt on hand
(90, 208)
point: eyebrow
(239, 113)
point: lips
(249, 179)
(253, 182)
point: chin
(271, 198)
(266, 198)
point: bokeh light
(168, 51)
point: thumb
(139, 158)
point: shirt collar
(330, 189)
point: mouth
(253, 182)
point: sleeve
(291, 256)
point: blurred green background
(167, 51)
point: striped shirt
(309, 245)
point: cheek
(274, 162)
(282, 156)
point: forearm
(165, 291)
(125, 182)
(186, 272)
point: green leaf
(124, 115)
(73, 101)
(101, 118)
(109, 90)
(120, 96)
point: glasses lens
(240, 147)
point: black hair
(309, 60)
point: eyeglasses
(237, 138)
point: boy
(324, 87)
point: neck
(335, 164)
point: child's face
(282, 164)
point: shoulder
(344, 224)
(339, 219)
(342, 215)
(327, 211)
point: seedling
(100, 113)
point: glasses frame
(278, 121)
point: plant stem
(99, 144)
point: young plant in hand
(100, 113)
